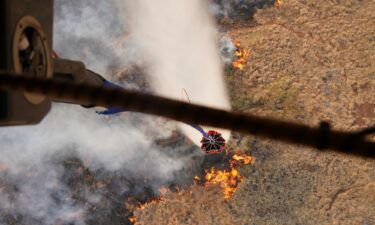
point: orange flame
(242, 55)
(278, 3)
(244, 158)
(162, 191)
(133, 219)
(228, 180)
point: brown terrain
(310, 60)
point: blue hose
(115, 110)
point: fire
(133, 219)
(145, 205)
(245, 158)
(162, 192)
(228, 179)
(242, 55)
(278, 3)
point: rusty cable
(322, 137)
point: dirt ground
(310, 60)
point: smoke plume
(237, 9)
(179, 42)
(176, 42)
(35, 185)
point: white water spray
(178, 39)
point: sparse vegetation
(309, 61)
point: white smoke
(227, 50)
(237, 9)
(110, 143)
(177, 38)
(179, 41)
(221, 8)
(92, 31)
(41, 196)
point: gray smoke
(32, 186)
(227, 49)
(92, 31)
(40, 197)
(176, 42)
(237, 9)
(179, 41)
(28, 156)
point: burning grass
(242, 54)
(221, 177)
(278, 3)
(228, 179)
